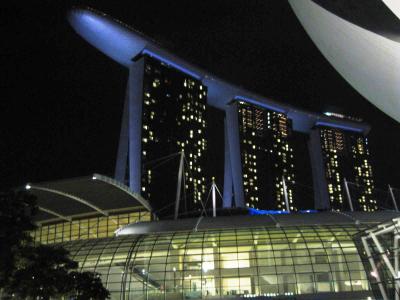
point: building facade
(266, 157)
(173, 121)
(346, 168)
(167, 109)
(283, 256)
(106, 225)
(252, 261)
(151, 130)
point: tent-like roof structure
(83, 196)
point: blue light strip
(262, 104)
(171, 63)
(319, 123)
(254, 212)
(308, 211)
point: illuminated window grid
(219, 263)
(363, 175)
(88, 228)
(190, 120)
(333, 145)
(259, 140)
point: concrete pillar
(228, 180)
(135, 96)
(130, 144)
(232, 128)
(122, 154)
(321, 197)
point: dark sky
(62, 100)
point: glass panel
(224, 263)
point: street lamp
(174, 269)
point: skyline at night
(200, 150)
(85, 119)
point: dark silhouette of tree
(37, 271)
(16, 211)
(41, 272)
(87, 285)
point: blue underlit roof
(122, 43)
(259, 103)
(171, 63)
(339, 126)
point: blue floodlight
(253, 212)
(308, 211)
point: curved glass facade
(218, 264)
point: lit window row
(88, 228)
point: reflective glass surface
(218, 264)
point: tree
(41, 272)
(87, 285)
(37, 271)
(16, 211)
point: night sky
(63, 99)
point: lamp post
(174, 269)
(285, 194)
(214, 198)
(346, 186)
(393, 198)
